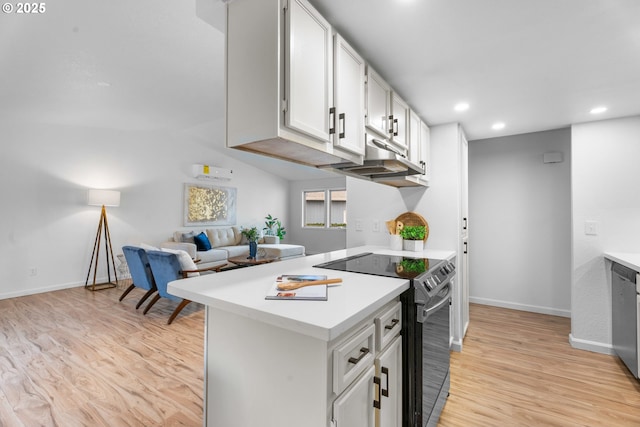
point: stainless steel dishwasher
(624, 306)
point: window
(325, 208)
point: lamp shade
(103, 198)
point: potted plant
(270, 229)
(413, 237)
(273, 230)
(252, 236)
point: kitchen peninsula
(286, 363)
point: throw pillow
(186, 263)
(202, 242)
(148, 247)
(188, 237)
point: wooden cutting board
(412, 218)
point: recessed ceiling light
(461, 106)
(598, 110)
(497, 126)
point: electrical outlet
(33, 271)
(358, 225)
(376, 226)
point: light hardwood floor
(80, 358)
(518, 369)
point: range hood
(380, 159)
(383, 163)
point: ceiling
(157, 64)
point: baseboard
(522, 307)
(32, 291)
(593, 346)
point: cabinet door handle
(391, 123)
(341, 120)
(332, 120)
(394, 322)
(363, 352)
(464, 226)
(395, 123)
(376, 401)
(424, 167)
(465, 247)
(385, 391)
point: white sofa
(226, 242)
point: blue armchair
(166, 268)
(140, 270)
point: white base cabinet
(260, 374)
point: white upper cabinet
(378, 98)
(280, 84)
(425, 150)
(415, 134)
(399, 121)
(309, 80)
(348, 115)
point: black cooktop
(383, 265)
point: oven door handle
(426, 312)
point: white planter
(395, 242)
(413, 245)
(272, 240)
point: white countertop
(242, 292)
(631, 260)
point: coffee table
(246, 262)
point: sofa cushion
(236, 250)
(222, 236)
(212, 255)
(202, 242)
(282, 250)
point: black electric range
(425, 328)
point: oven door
(435, 356)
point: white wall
(315, 240)
(45, 171)
(520, 233)
(438, 204)
(605, 158)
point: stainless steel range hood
(385, 164)
(381, 159)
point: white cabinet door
(399, 126)
(308, 70)
(425, 149)
(354, 407)
(415, 153)
(378, 99)
(348, 117)
(389, 370)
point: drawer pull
(363, 352)
(385, 372)
(394, 322)
(376, 402)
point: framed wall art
(209, 205)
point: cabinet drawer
(388, 325)
(352, 358)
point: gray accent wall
(520, 234)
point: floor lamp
(102, 198)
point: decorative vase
(395, 242)
(253, 249)
(413, 245)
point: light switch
(358, 225)
(376, 226)
(591, 228)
